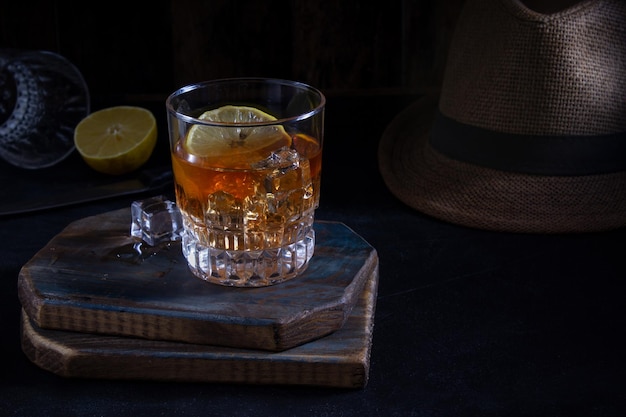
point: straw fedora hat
(528, 133)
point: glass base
(248, 268)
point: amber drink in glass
(247, 159)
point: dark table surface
(468, 322)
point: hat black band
(529, 154)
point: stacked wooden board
(99, 303)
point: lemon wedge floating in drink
(116, 140)
(231, 141)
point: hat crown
(517, 71)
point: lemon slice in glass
(116, 140)
(232, 140)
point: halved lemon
(116, 140)
(233, 140)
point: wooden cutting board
(93, 277)
(341, 359)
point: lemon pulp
(231, 139)
(116, 140)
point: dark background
(130, 49)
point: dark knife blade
(146, 181)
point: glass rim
(285, 120)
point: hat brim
(485, 198)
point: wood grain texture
(341, 359)
(94, 277)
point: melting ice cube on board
(156, 220)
